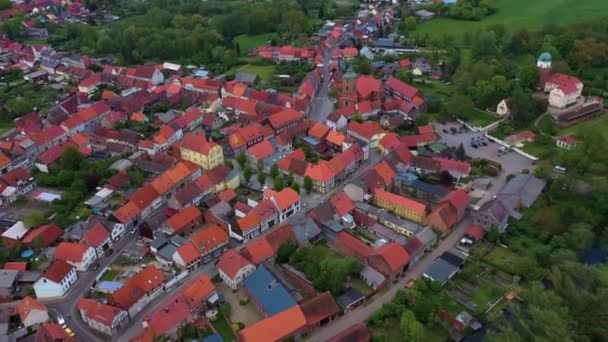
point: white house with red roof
(79, 255)
(98, 238)
(56, 280)
(566, 142)
(287, 202)
(104, 318)
(234, 268)
(564, 90)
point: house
(8, 283)
(319, 310)
(440, 271)
(521, 191)
(285, 119)
(449, 211)
(564, 90)
(402, 206)
(204, 246)
(195, 148)
(258, 153)
(350, 300)
(183, 222)
(99, 238)
(425, 15)
(104, 318)
(566, 142)
(400, 90)
(336, 121)
(503, 108)
(369, 131)
(391, 260)
(520, 137)
(372, 278)
(305, 230)
(187, 306)
(408, 184)
(139, 290)
(286, 201)
(233, 268)
(78, 255)
(492, 214)
(21, 182)
(355, 333)
(56, 280)
(31, 312)
(472, 235)
(279, 327)
(267, 247)
(269, 296)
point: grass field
(265, 72)
(223, 328)
(479, 118)
(515, 14)
(248, 42)
(5, 125)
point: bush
(244, 301)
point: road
(362, 313)
(67, 305)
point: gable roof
(394, 255)
(275, 328)
(261, 150)
(209, 238)
(400, 201)
(47, 234)
(231, 262)
(285, 198)
(183, 218)
(137, 286)
(319, 308)
(268, 293)
(69, 251)
(57, 271)
(342, 203)
(366, 84)
(96, 235)
(284, 117)
(27, 305)
(401, 87)
(96, 311)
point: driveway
(246, 314)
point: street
(362, 313)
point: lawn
(516, 14)
(434, 89)
(223, 328)
(389, 331)
(109, 275)
(248, 42)
(264, 72)
(6, 125)
(578, 129)
(503, 258)
(479, 118)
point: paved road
(67, 305)
(361, 314)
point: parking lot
(512, 162)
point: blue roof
(268, 293)
(109, 285)
(214, 338)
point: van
(503, 149)
(559, 169)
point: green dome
(545, 57)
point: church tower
(348, 96)
(543, 65)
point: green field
(265, 72)
(516, 14)
(248, 42)
(479, 118)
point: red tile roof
(261, 150)
(127, 212)
(93, 310)
(394, 255)
(568, 140)
(188, 252)
(366, 84)
(342, 203)
(69, 251)
(227, 195)
(51, 332)
(258, 250)
(27, 305)
(16, 266)
(400, 201)
(366, 130)
(285, 198)
(57, 271)
(183, 218)
(459, 199)
(318, 131)
(335, 138)
(15, 176)
(476, 232)
(96, 235)
(143, 197)
(353, 245)
(209, 238)
(401, 87)
(46, 234)
(319, 308)
(385, 171)
(284, 117)
(231, 262)
(197, 142)
(566, 83)
(48, 157)
(405, 63)
(275, 328)
(137, 286)
(459, 166)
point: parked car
(95, 267)
(474, 145)
(109, 252)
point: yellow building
(207, 154)
(402, 206)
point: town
(335, 188)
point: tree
(5, 4)
(357, 117)
(274, 170)
(410, 327)
(290, 178)
(285, 252)
(308, 184)
(460, 153)
(404, 75)
(459, 105)
(71, 159)
(136, 178)
(296, 187)
(589, 52)
(278, 183)
(34, 218)
(247, 173)
(410, 23)
(229, 164)
(522, 107)
(241, 158)
(261, 177)
(237, 49)
(527, 75)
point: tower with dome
(543, 65)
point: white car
(61, 321)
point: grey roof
(121, 165)
(440, 270)
(498, 210)
(386, 43)
(375, 277)
(453, 258)
(384, 216)
(304, 228)
(426, 236)
(388, 234)
(522, 189)
(350, 296)
(28, 276)
(425, 14)
(245, 77)
(8, 278)
(333, 226)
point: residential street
(362, 313)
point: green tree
(290, 179)
(285, 252)
(527, 75)
(459, 105)
(410, 327)
(274, 170)
(410, 23)
(308, 184)
(261, 177)
(278, 183)
(247, 173)
(136, 178)
(34, 218)
(460, 153)
(71, 159)
(229, 164)
(241, 158)
(296, 187)
(522, 107)
(237, 49)
(357, 117)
